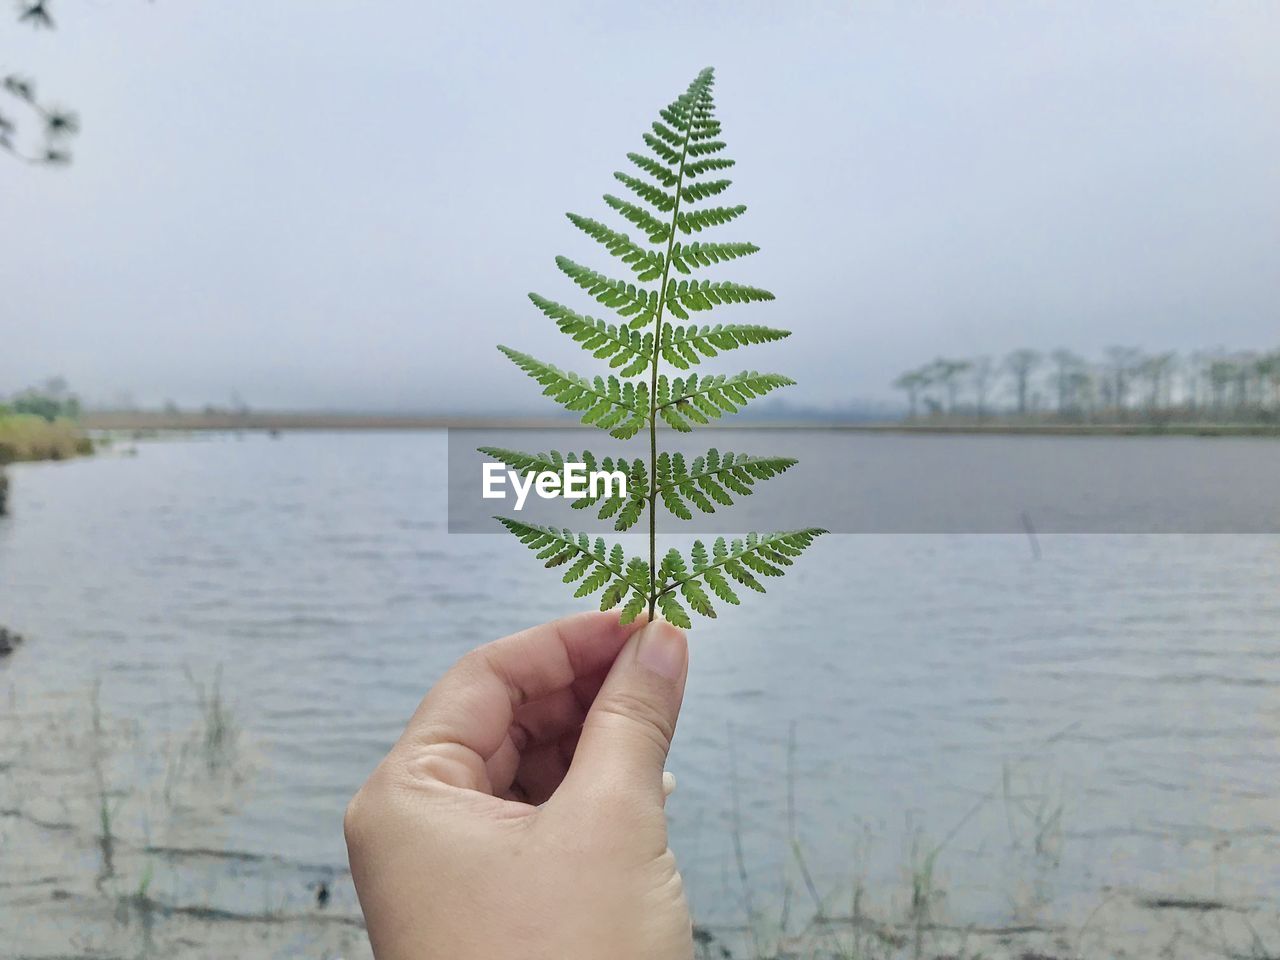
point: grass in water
(218, 734)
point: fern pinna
(674, 179)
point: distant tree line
(50, 400)
(1125, 384)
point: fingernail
(662, 650)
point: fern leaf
(686, 257)
(634, 607)
(672, 612)
(622, 408)
(623, 348)
(623, 505)
(694, 192)
(655, 169)
(654, 229)
(695, 221)
(611, 501)
(684, 152)
(663, 149)
(684, 346)
(698, 167)
(710, 397)
(653, 195)
(628, 300)
(596, 567)
(705, 148)
(666, 133)
(697, 597)
(712, 479)
(527, 462)
(684, 295)
(645, 262)
(703, 125)
(720, 586)
(766, 555)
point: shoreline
(26, 438)
(148, 421)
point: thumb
(627, 732)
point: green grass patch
(25, 436)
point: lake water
(1104, 716)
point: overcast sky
(342, 203)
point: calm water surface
(1104, 716)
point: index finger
(474, 704)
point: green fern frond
(685, 295)
(698, 167)
(655, 229)
(528, 462)
(684, 346)
(625, 510)
(594, 564)
(663, 149)
(695, 221)
(655, 168)
(638, 305)
(645, 262)
(685, 257)
(704, 127)
(684, 146)
(705, 148)
(712, 479)
(703, 399)
(622, 347)
(622, 408)
(701, 191)
(740, 561)
(611, 503)
(666, 133)
(653, 195)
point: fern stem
(654, 591)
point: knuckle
(639, 714)
(668, 882)
(485, 662)
(365, 807)
(473, 662)
(438, 767)
(355, 817)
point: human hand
(520, 815)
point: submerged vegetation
(680, 170)
(113, 838)
(114, 843)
